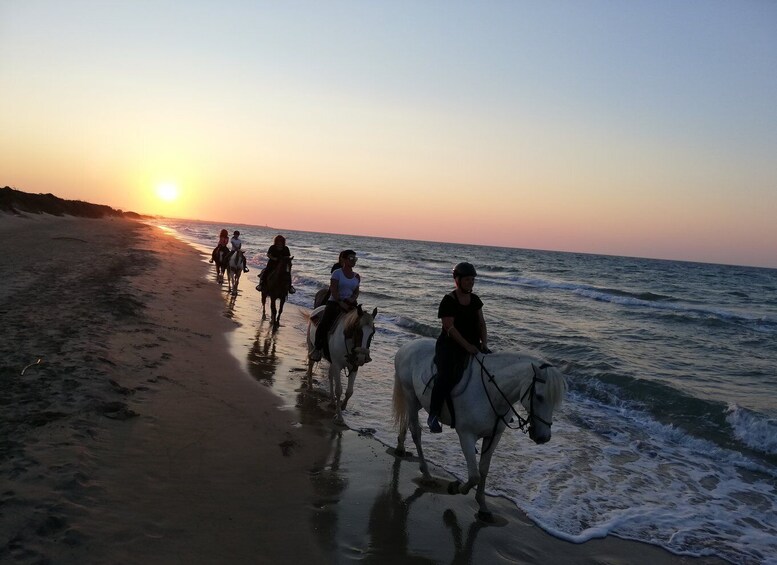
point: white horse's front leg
(485, 462)
(334, 377)
(349, 388)
(331, 386)
(467, 442)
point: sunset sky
(642, 128)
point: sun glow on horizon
(167, 191)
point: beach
(167, 423)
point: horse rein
(523, 423)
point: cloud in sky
(645, 128)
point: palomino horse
(276, 286)
(349, 349)
(219, 257)
(234, 270)
(482, 401)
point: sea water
(669, 432)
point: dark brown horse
(220, 257)
(276, 286)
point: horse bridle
(357, 335)
(523, 423)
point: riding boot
(434, 424)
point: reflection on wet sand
(388, 530)
(263, 359)
(230, 310)
(328, 485)
(463, 552)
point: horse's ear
(359, 310)
(374, 313)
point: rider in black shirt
(463, 334)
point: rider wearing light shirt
(236, 246)
(347, 287)
(344, 290)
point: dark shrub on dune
(18, 202)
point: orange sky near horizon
(521, 128)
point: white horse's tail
(399, 403)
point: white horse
(349, 349)
(483, 404)
(235, 270)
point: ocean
(669, 432)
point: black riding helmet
(464, 269)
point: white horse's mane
(352, 320)
(555, 383)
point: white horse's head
(544, 395)
(360, 327)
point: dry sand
(167, 423)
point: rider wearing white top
(346, 287)
(344, 291)
(236, 246)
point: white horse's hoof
(486, 516)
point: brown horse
(220, 257)
(276, 286)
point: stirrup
(292, 290)
(434, 425)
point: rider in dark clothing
(463, 334)
(275, 254)
(223, 241)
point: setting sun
(167, 191)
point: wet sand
(168, 423)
